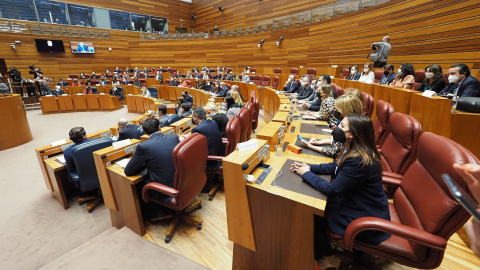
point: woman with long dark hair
(356, 190)
(434, 80)
(405, 78)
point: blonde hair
(354, 92)
(236, 97)
(327, 89)
(348, 104)
(211, 107)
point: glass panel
(81, 15)
(140, 22)
(18, 10)
(51, 11)
(120, 20)
(159, 25)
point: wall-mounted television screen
(49, 45)
(82, 47)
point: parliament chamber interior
(164, 69)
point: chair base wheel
(167, 240)
(199, 226)
(90, 210)
(199, 206)
(210, 198)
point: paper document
(247, 145)
(57, 143)
(61, 159)
(121, 143)
(123, 162)
(308, 117)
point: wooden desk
(271, 133)
(15, 130)
(62, 189)
(65, 103)
(49, 104)
(80, 102)
(269, 231)
(108, 103)
(131, 103)
(92, 102)
(182, 125)
(281, 117)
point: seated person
(76, 82)
(61, 82)
(305, 89)
(77, 136)
(128, 130)
(434, 80)
(356, 192)
(405, 78)
(222, 90)
(145, 92)
(173, 82)
(388, 74)
(4, 88)
(315, 104)
(188, 98)
(220, 118)
(88, 90)
(344, 105)
(57, 91)
(238, 101)
(159, 76)
(327, 107)
(136, 82)
(235, 88)
(354, 74)
(178, 109)
(209, 129)
(83, 76)
(367, 75)
(186, 110)
(162, 114)
(245, 78)
(232, 108)
(103, 81)
(291, 86)
(114, 91)
(155, 155)
(189, 75)
(183, 83)
(93, 76)
(326, 79)
(461, 83)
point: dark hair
(462, 69)
(437, 74)
(230, 102)
(185, 91)
(76, 134)
(355, 67)
(180, 100)
(327, 78)
(388, 67)
(186, 107)
(199, 112)
(407, 69)
(162, 108)
(151, 125)
(369, 65)
(363, 142)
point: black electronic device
(462, 197)
(49, 45)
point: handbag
(469, 104)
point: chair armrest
(392, 179)
(75, 176)
(215, 158)
(159, 188)
(400, 230)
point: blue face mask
(210, 115)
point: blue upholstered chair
(153, 92)
(172, 119)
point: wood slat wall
(422, 32)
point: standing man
(382, 50)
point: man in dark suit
(173, 82)
(305, 90)
(291, 86)
(388, 74)
(128, 130)
(354, 74)
(186, 110)
(77, 136)
(155, 154)
(222, 90)
(461, 83)
(209, 129)
(162, 114)
(188, 98)
(61, 82)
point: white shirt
(369, 78)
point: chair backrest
(345, 73)
(312, 72)
(399, 150)
(265, 80)
(172, 119)
(277, 71)
(233, 132)
(419, 76)
(73, 76)
(294, 71)
(416, 85)
(244, 118)
(253, 70)
(229, 86)
(275, 82)
(252, 95)
(256, 105)
(340, 91)
(336, 88)
(368, 104)
(190, 158)
(380, 124)
(85, 165)
(251, 108)
(153, 92)
(258, 79)
(423, 201)
(378, 75)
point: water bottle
(454, 103)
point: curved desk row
(75, 103)
(15, 130)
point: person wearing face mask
(405, 78)
(434, 80)
(305, 89)
(187, 97)
(461, 83)
(327, 106)
(388, 74)
(354, 74)
(220, 118)
(313, 86)
(355, 192)
(186, 110)
(209, 129)
(344, 105)
(291, 86)
(162, 114)
(367, 74)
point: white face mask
(453, 78)
(365, 70)
(353, 71)
(303, 84)
(429, 75)
(399, 71)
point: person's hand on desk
(309, 113)
(300, 168)
(305, 105)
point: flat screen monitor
(82, 47)
(49, 45)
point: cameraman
(382, 50)
(16, 77)
(35, 71)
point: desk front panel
(92, 102)
(15, 129)
(65, 103)
(49, 104)
(80, 102)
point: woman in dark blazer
(434, 80)
(356, 190)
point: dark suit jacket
(62, 83)
(315, 105)
(355, 77)
(356, 192)
(187, 114)
(222, 91)
(173, 82)
(469, 87)
(189, 99)
(209, 129)
(67, 153)
(222, 120)
(307, 91)
(155, 154)
(389, 80)
(291, 87)
(130, 131)
(163, 119)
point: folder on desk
(61, 159)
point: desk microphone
(263, 152)
(245, 166)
